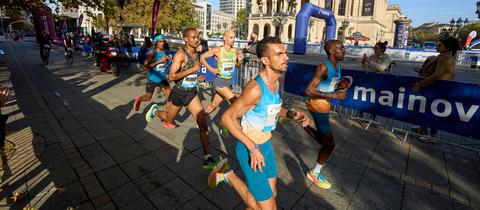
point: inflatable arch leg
(301, 25)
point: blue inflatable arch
(301, 25)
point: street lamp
(310, 24)
(452, 24)
(279, 19)
(345, 24)
(478, 9)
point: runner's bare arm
(318, 76)
(163, 59)
(230, 118)
(149, 59)
(203, 59)
(178, 59)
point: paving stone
(82, 139)
(186, 163)
(152, 143)
(91, 150)
(294, 178)
(126, 153)
(223, 196)
(112, 177)
(372, 187)
(420, 198)
(172, 195)
(124, 194)
(140, 203)
(308, 204)
(199, 203)
(155, 179)
(359, 203)
(286, 198)
(140, 166)
(100, 161)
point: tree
(240, 23)
(463, 33)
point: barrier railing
(252, 66)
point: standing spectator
(441, 67)
(203, 46)
(142, 55)
(132, 41)
(379, 61)
(252, 44)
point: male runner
(157, 74)
(260, 105)
(227, 57)
(319, 91)
(183, 71)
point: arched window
(290, 29)
(255, 28)
(266, 30)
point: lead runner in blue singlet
(320, 89)
(259, 107)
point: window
(367, 8)
(328, 4)
(341, 8)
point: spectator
(442, 67)
(252, 44)
(379, 61)
(142, 55)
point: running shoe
(151, 113)
(223, 130)
(209, 163)
(318, 180)
(168, 125)
(136, 104)
(217, 176)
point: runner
(157, 75)
(183, 71)
(260, 105)
(228, 57)
(319, 91)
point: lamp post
(279, 19)
(345, 24)
(310, 24)
(249, 11)
(478, 9)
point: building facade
(373, 19)
(212, 21)
(204, 16)
(221, 21)
(87, 14)
(232, 6)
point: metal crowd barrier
(252, 66)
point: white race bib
(272, 117)
(190, 81)
(227, 69)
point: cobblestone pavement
(74, 141)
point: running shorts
(322, 122)
(182, 97)
(150, 87)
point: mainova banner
(444, 105)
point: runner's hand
(240, 57)
(257, 160)
(340, 95)
(201, 77)
(301, 118)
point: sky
(423, 11)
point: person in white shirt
(379, 61)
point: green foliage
(240, 23)
(463, 33)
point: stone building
(373, 19)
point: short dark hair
(187, 31)
(262, 46)
(329, 44)
(451, 44)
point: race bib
(190, 81)
(227, 70)
(272, 117)
(160, 68)
(331, 87)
